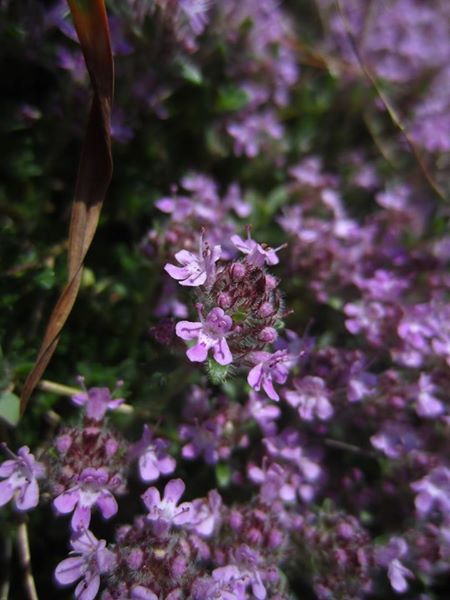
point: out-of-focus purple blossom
(96, 401)
(396, 440)
(91, 489)
(163, 512)
(197, 269)
(88, 560)
(433, 492)
(20, 474)
(428, 405)
(210, 334)
(263, 412)
(225, 583)
(310, 398)
(154, 459)
(168, 303)
(388, 556)
(254, 132)
(233, 199)
(268, 368)
(257, 254)
(206, 514)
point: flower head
(269, 368)
(89, 559)
(197, 269)
(163, 512)
(91, 489)
(97, 401)
(20, 474)
(210, 334)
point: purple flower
(97, 401)
(210, 333)
(257, 254)
(433, 491)
(90, 490)
(196, 269)
(264, 413)
(153, 457)
(428, 405)
(395, 440)
(397, 574)
(206, 514)
(163, 512)
(20, 474)
(226, 583)
(269, 368)
(89, 559)
(310, 398)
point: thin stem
(349, 447)
(395, 119)
(23, 546)
(6, 564)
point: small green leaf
(223, 474)
(45, 279)
(191, 73)
(231, 98)
(9, 408)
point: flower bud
(238, 271)
(224, 300)
(267, 335)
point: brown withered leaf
(94, 172)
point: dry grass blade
(94, 173)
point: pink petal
(188, 330)
(69, 570)
(107, 505)
(254, 377)
(65, 502)
(176, 272)
(87, 590)
(147, 468)
(222, 352)
(6, 492)
(81, 518)
(197, 353)
(29, 496)
(151, 498)
(195, 279)
(269, 389)
(174, 490)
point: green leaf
(191, 73)
(231, 98)
(45, 279)
(223, 474)
(9, 408)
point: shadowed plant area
(224, 368)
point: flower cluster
(239, 308)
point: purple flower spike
(269, 368)
(196, 269)
(90, 490)
(20, 474)
(258, 254)
(210, 333)
(163, 512)
(89, 559)
(97, 401)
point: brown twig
(23, 547)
